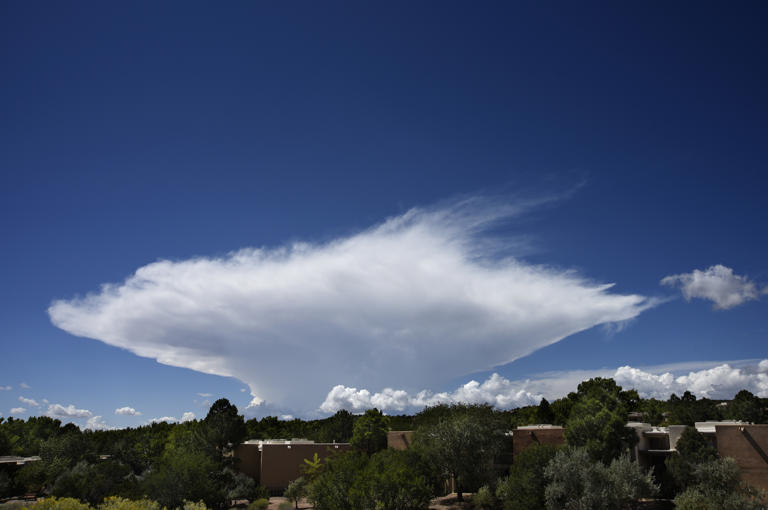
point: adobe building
(399, 439)
(277, 462)
(523, 437)
(748, 446)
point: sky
(311, 206)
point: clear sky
(308, 206)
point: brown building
(275, 463)
(748, 446)
(399, 439)
(523, 437)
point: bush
(392, 480)
(285, 505)
(483, 499)
(524, 488)
(576, 482)
(717, 486)
(118, 503)
(259, 504)
(191, 505)
(60, 504)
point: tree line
(175, 463)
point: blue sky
(434, 189)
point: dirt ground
(444, 503)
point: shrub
(717, 486)
(191, 505)
(60, 504)
(524, 488)
(483, 499)
(285, 505)
(259, 504)
(118, 503)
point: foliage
(330, 486)
(692, 449)
(462, 447)
(117, 503)
(576, 482)
(296, 490)
(285, 505)
(191, 505)
(524, 488)
(223, 428)
(687, 410)
(747, 407)
(391, 480)
(184, 476)
(717, 485)
(60, 504)
(483, 499)
(370, 432)
(598, 429)
(259, 504)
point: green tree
(391, 480)
(717, 485)
(296, 490)
(577, 482)
(598, 428)
(747, 407)
(544, 413)
(184, 476)
(692, 449)
(463, 448)
(329, 488)
(223, 428)
(524, 488)
(370, 432)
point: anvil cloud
(409, 303)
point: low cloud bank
(417, 300)
(721, 381)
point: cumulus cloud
(18, 410)
(70, 411)
(29, 402)
(96, 423)
(496, 390)
(717, 283)
(417, 300)
(188, 416)
(127, 411)
(720, 380)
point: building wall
(399, 439)
(282, 463)
(748, 446)
(522, 438)
(249, 461)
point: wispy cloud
(70, 411)
(718, 284)
(18, 410)
(24, 385)
(29, 402)
(127, 411)
(713, 380)
(416, 300)
(5, 388)
(205, 395)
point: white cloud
(24, 385)
(713, 380)
(18, 410)
(416, 300)
(243, 390)
(5, 388)
(96, 423)
(127, 411)
(717, 283)
(722, 381)
(286, 417)
(205, 395)
(188, 416)
(70, 411)
(168, 419)
(29, 402)
(496, 390)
